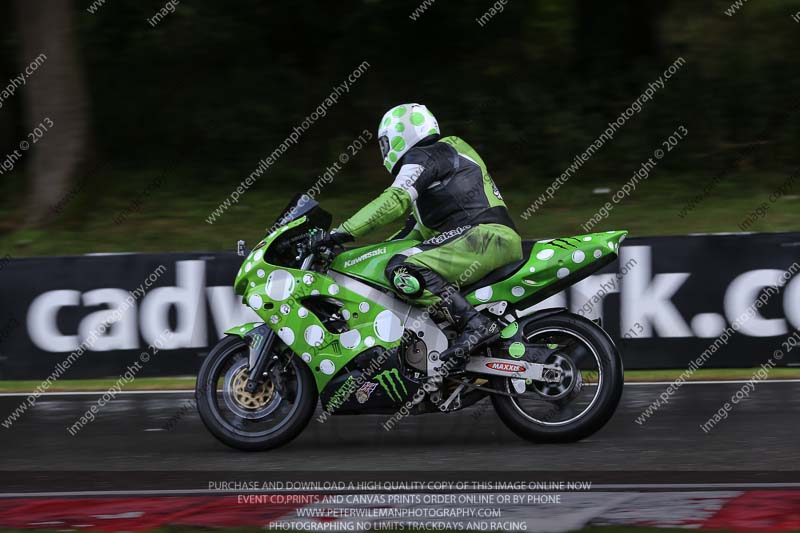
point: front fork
(260, 342)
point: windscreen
(302, 205)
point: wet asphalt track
(760, 441)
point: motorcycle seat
(504, 271)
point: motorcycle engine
(416, 354)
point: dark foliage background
(218, 85)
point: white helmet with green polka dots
(401, 128)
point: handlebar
(310, 246)
(315, 248)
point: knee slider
(405, 279)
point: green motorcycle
(333, 330)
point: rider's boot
(474, 328)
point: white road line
(653, 487)
(191, 391)
(725, 382)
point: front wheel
(272, 415)
(587, 394)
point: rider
(458, 214)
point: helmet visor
(384, 142)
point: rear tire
(598, 413)
(233, 430)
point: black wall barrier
(725, 300)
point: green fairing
(368, 263)
(385, 209)
(549, 262)
(276, 294)
(244, 329)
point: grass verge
(170, 220)
(79, 385)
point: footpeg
(454, 399)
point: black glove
(336, 238)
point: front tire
(573, 343)
(263, 420)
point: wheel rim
(570, 379)
(260, 414)
(575, 395)
(258, 404)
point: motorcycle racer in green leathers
(457, 213)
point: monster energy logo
(342, 394)
(391, 378)
(255, 341)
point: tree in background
(56, 91)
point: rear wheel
(587, 394)
(275, 413)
